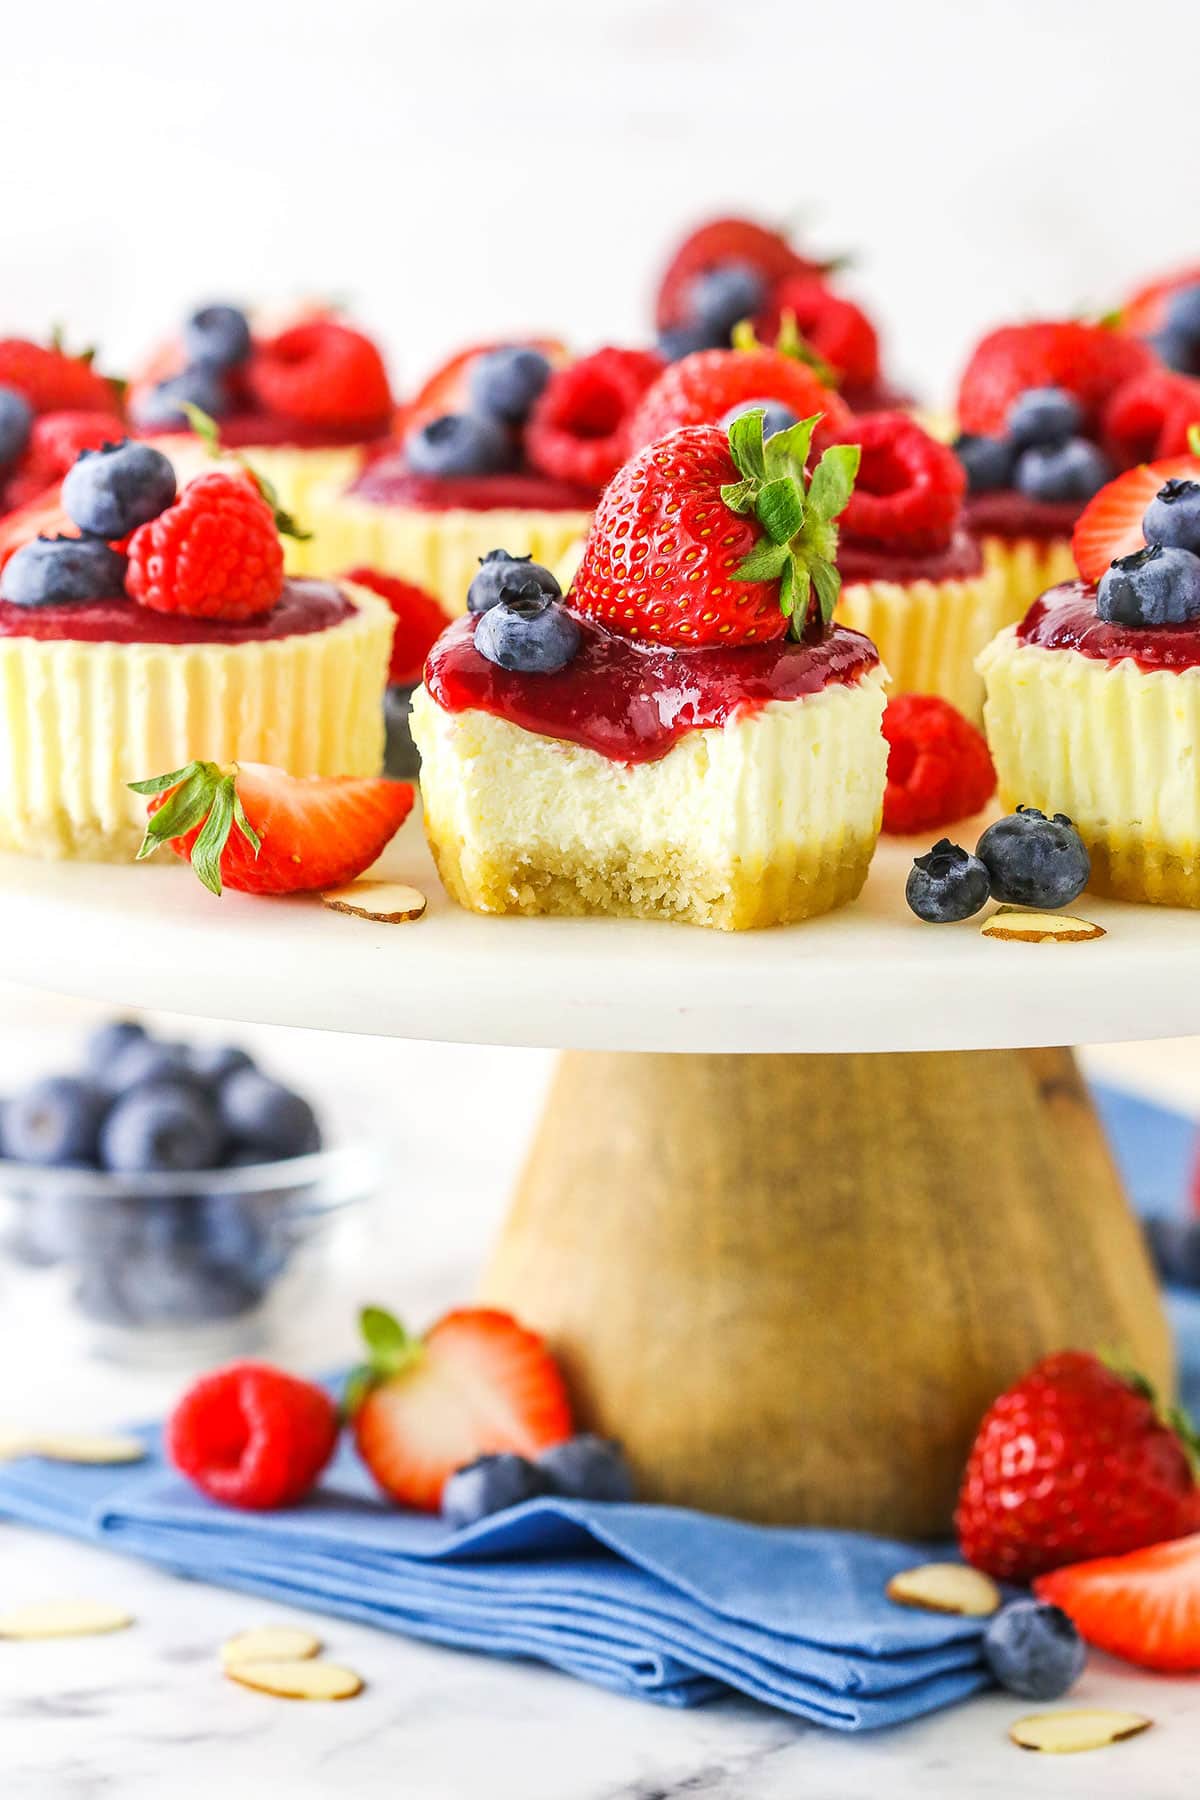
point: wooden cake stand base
(791, 1285)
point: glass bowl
(183, 1266)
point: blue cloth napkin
(670, 1606)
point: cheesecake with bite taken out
(688, 737)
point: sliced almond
(1062, 1733)
(1018, 927)
(89, 1447)
(270, 1643)
(292, 1680)
(64, 1618)
(384, 902)
(946, 1588)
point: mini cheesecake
(727, 787)
(434, 531)
(1026, 543)
(1101, 721)
(96, 694)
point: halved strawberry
(477, 1383)
(294, 834)
(1144, 1606)
(445, 391)
(725, 241)
(1110, 525)
(42, 517)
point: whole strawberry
(1089, 361)
(1074, 1462)
(215, 554)
(713, 539)
(51, 380)
(717, 244)
(701, 389)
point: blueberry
(266, 1116)
(1044, 416)
(102, 1046)
(505, 383)
(776, 416)
(1175, 1249)
(1154, 586)
(587, 1467)
(1183, 314)
(55, 1123)
(1034, 1650)
(679, 341)
(211, 1064)
(722, 296)
(1072, 471)
(526, 630)
(56, 571)
(498, 568)
(110, 492)
(988, 462)
(217, 337)
(148, 1288)
(16, 421)
(489, 1485)
(238, 1231)
(161, 1128)
(1179, 351)
(401, 758)
(459, 444)
(143, 1060)
(1173, 516)
(162, 406)
(947, 884)
(1034, 861)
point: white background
(463, 167)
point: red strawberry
(420, 620)
(725, 241)
(1110, 525)
(1145, 310)
(1089, 361)
(41, 517)
(446, 390)
(294, 834)
(54, 446)
(1150, 416)
(321, 372)
(909, 491)
(1074, 1462)
(578, 427)
(476, 1384)
(1144, 1607)
(939, 767)
(700, 389)
(251, 1436)
(838, 330)
(51, 380)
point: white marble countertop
(146, 1712)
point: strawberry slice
(261, 831)
(1110, 525)
(477, 1383)
(445, 391)
(42, 517)
(1144, 1607)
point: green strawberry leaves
(205, 795)
(390, 1351)
(788, 342)
(795, 510)
(209, 433)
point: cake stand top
(870, 977)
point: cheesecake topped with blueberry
(1093, 699)
(688, 735)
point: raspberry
(251, 1436)
(838, 330)
(215, 554)
(52, 381)
(1148, 417)
(909, 489)
(577, 430)
(321, 372)
(700, 389)
(939, 768)
(420, 619)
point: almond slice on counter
(64, 1618)
(1015, 926)
(89, 1447)
(946, 1588)
(292, 1680)
(270, 1643)
(384, 902)
(1062, 1733)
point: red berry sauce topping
(1066, 619)
(632, 701)
(387, 482)
(302, 608)
(959, 561)
(1008, 514)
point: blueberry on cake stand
(803, 1200)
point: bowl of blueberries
(184, 1194)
